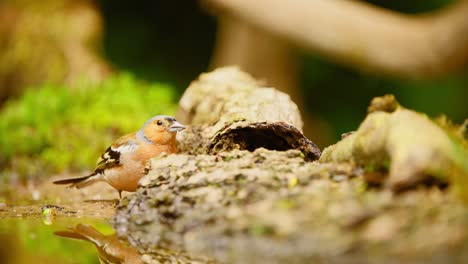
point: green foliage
(52, 129)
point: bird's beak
(176, 127)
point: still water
(37, 240)
(51, 224)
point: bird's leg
(120, 194)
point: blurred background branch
(358, 34)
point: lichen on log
(228, 109)
(274, 207)
(194, 202)
(232, 195)
(408, 144)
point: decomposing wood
(228, 109)
(219, 200)
(273, 207)
(408, 144)
(362, 35)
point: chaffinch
(123, 164)
(110, 248)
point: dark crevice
(273, 136)
(254, 138)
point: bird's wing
(111, 157)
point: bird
(110, 248)
(123, 163)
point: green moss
(286, 204)
(54, 129)
(260, 230)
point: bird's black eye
(159, 122)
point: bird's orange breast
(145, 152)
(127, 176)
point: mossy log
(409, 145)
(274, 207)
(226, 197)
(228, 109)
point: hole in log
(273, 136)
(253, 138)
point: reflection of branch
(362, 35)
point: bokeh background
(173, 42)
(77, 74)
(74, 75)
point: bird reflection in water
(110, 248)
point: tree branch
(364, 36)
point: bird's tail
(80, 182)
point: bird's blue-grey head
(168, 122)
